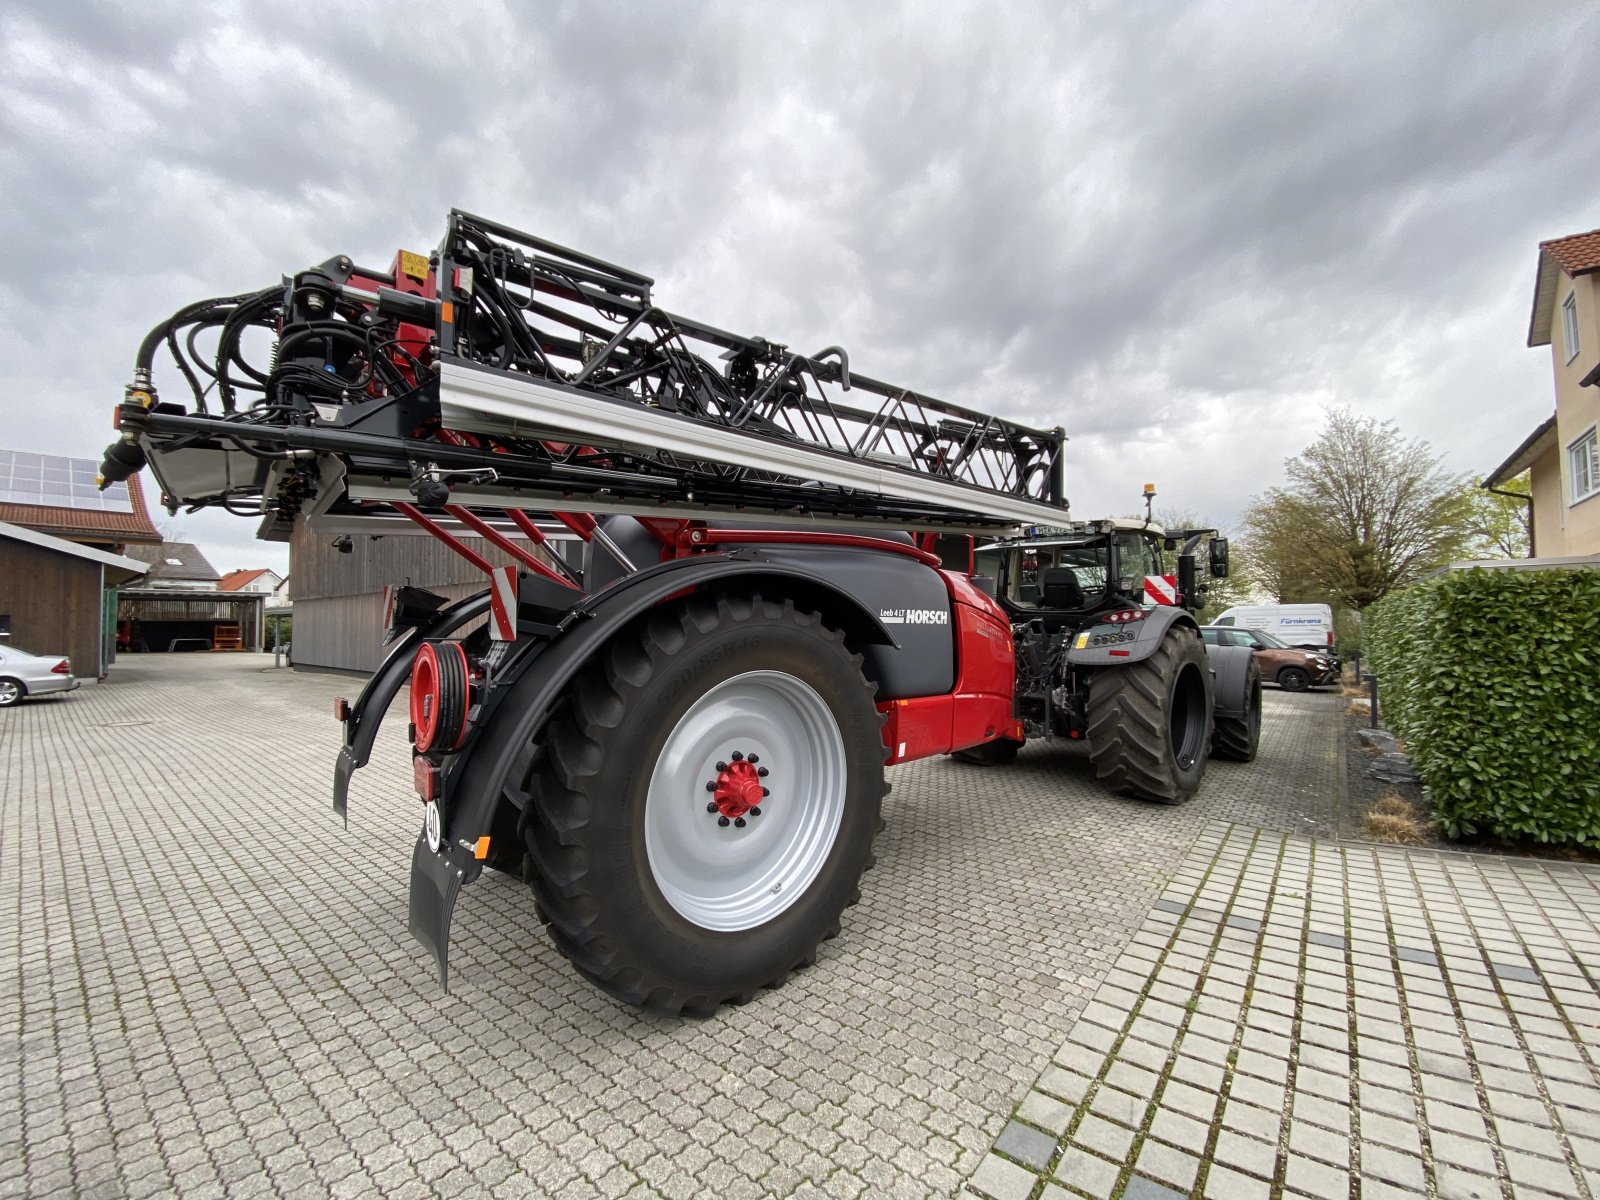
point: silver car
(23, 674)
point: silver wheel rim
(10, 693)
(726, 878)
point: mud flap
(435, 883)
(342, 770)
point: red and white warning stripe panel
(503, 604)
(1161, 589)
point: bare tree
(1363, 511)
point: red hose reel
(440, 694)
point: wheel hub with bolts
(737, 791)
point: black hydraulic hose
(145, 358)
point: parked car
(1309, 626)
(1290, 667)
(23, 674)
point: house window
(1583, 466)
(1569, 324)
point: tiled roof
(234, 580)
(1577, 253)
(175, 560)
(75, 524)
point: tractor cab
(1066, 574)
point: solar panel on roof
(54, 481)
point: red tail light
(1122, 616)
(1330, 637)
(62, 668)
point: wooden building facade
(57, 597)
(338, 594)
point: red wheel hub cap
(738, 789)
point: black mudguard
(522, 699)
(1113, 645)
(366, 714)
(1230, 675)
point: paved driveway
(213, 989)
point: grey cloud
(1173, 230)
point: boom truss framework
(508, 373)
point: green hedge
(1492, 678)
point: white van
(1308, 625)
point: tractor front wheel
(1237, 738)
(1149, 723)
(704, 802)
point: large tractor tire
(704, 801)
(1236, 738)
(1149, 723)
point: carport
(161, 620)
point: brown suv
(1292, 669)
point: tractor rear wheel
(704, 802)
(1149, 723)
(1236, 738)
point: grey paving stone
(1392, 1166)
(1315, 1178)
(1119, 1106)
(1223, 1183)
(1069, 1086)
(1087, 1173)
(1141, 1188)
(1104, 1137)
(1247, 1118)
(1046, 1112)
(1002, 1180)
(1178, 1130)
(1246, 1154)
(1453, 1183)
(1468, 1154)
(1533, 1171)
(1322, 1144)
(1415, 954)
(1027, 1145)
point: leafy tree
(1502, 525)
(1363, 512)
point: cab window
(1138, 559)
(1026, 572)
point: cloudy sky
(1181, 231)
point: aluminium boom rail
(510, 374)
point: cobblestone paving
(211, 989)
(1304, 1018)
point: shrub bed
(1492, 678)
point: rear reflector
(425, 775)
(341, 709)
(1119, 653)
